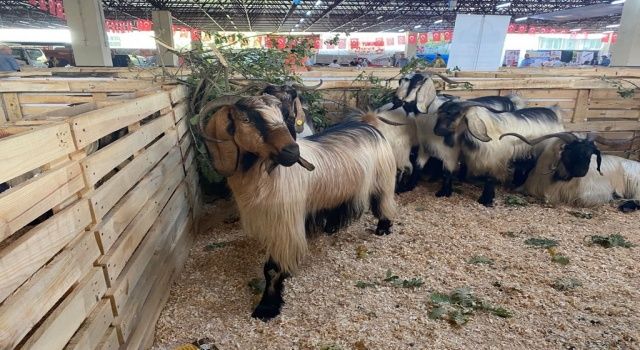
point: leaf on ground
(479, 259)
(213, 246)
(516, 201)
(581, 214)
(541, 242)
(560, 259)
(361, 252)
(390, 277)
(257, 285)
(331, 347)
(440, 298)
(566, 283)
(360, 345)
(457, 307)
(611, 241)
(502, 312)
(421, 208)
(362, 284)
(412, 283)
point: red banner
(447, 36)
(317, 43)
(390, 41)
(355, 43)
(342, 44)
(412, 38)
(436, 36)
(402, 40)
(422, 38)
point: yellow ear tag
(299, 122)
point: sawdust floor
(433, 239)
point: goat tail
(517, 101)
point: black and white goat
(353, 170)
(476, 130)
(296, 116)
(570, 169)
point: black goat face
(287, 96)
(575, 159)
(449, 115)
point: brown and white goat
(251, 145)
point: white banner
(478, 41)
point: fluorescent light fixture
(401, 30)
(521, 19)
(308, 13)
(364, 24)
(438, 21)
(613, 26)
(379, 17)
(301, 20)
(353, 27)
(318, 3)
(607, 32)
(417, 26)
(227, 16)
(617, 2)
(575, 29)
(503, 5)
(232, 22)
(297, 25)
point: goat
(354, 170)
(417, 95)
(298, 121)
(475, 129)
(566, 173)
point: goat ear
(299, 114)
(426, 95)
(225, 153)
(477, 128)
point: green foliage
(362, 284)
(459, 305)
(480, 260)
(560, 259)
(331, 347)
(516, 201)
(315, 101)
(623, 91)
(213, 246)
(565, 284)
(415, 64)
(404, 283)
(257, 285)
(541, 242)
(581, 214)
(376, 95)
(333, 41)
(610, 241)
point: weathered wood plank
(38, 98)
(188, 160)
(179, 93)
(99, 164)
(117, 257)
(614, 103)
(126, 210)
(147, 252)
(26, 151)
(611, 113)
(111, 191)
(185, 143)
(110, 340)
(91, 331)
(113, 85)
(604, 126)
(180, 111)
(93, 125)
(26, 307)
(27, 254)
(563, 104)
(25, 85)
(12, 106)
(182, 127)
(64, 321)
(581, 105)
(21, 205)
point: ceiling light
(575, 29)
(438, 21)
(417, 26)
(401, 30)
(309, 13)
(503, 5)
(353, 27)
(364, 24)
(318, 3)
(521, 19)
(301, 20)
(297, 25)
(607, 32)
(232, 22)
(613, 26)
(227, 16)
(379, 17)
(617, 2)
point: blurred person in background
(7, 62)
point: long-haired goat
(416, 95)
(354, 170)
(298, 120)
(476, 129)
(566, 172)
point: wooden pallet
(96, 273)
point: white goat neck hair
(620, 177)
(494, 157)
(401, 137)
(350, 166)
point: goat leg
(447, 184)
(272, 299)
(488, 192)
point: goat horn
(306, 164)
(210, 107)
(564, 136)
(305, 87)
(447, 80)
(387, 121)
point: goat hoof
(330, 230)
(629, 206)
(444, 193)
(384, 228)
(266, 312)
(487, 202)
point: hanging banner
(422, 38)
(402, 40)
(390, 41)
(412, 39)
(436, 36)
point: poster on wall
(511, 58)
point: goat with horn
(476, 129)
(344, 171)
(571, 169)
